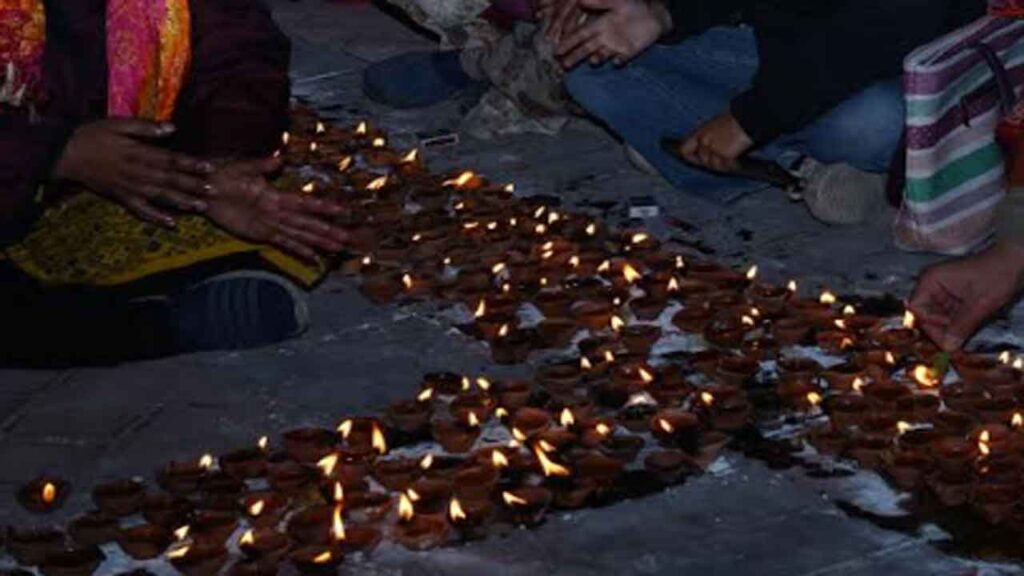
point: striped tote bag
(957, 89)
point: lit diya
(527, 505)
(676, 429)
(264, 509)
(43, 495)
(418, 531)
(198, 557)
(120, 497)
(31, 546)
(316, 559)
(182, 478)
(93, 528)
(470, 517)
(144, 541)
(264, 544)
(309, 444)
(81, 561)
(457, 436)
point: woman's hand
(717, 145)
(624, 29)
(953, 299)
(249, 207)
(115, 158)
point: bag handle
(1007, 95)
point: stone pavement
(88, 425)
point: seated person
(135, 143)
(813, 85)
(954, 299)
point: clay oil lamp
(144, 541)
(93, 528)
(165, 510)
(80, 561)
(909, 470)
(475, 482)
(669, 466)
(676, 429)
(513, 394)
(245, 463)
(396, 474)
(527, 505)
(647, 309)
(362, 434)
(951, 423)
(31, 546)
(264, 509)
(443, 383)
(120, 497)
(728, 331)
(368, 506)
(43, 495)
(900, 340)
(884, 395)
(693, 318)
(869, 450)
(457, 437)
(219, 491)
(995, 410)
(531, 422)
(736, 370)
(213, 526)
(771, 300)
(959, 396)
(352, 539)
(470, 517)
(977, 368)
(557, 332)
(198, 557)
(818, 312)
(316, 559)
(264, 544)
(410, 417)
(181, 478)
(512, 346)
(995, 502)
(592, 314)
(955, 456)
(382, 287)
(290, 477)
(841, 378)
(836, 341)
(309, 445)
(798, 370)
(311, 525)
(671, 392)
(730, 411)
(418, 531)
(919, 407)
(640, 338)
(791, 330)
(637, 411)
(846, 410)
(560, 379)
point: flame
(503, 331)
(566, 418)
(858, 384)
(1004, 357)
(379, 443)
(1018, 420)
(49, 493)
(470, 225)
(411, 156)
(827, 298)
(574, 262)
(345, 163)
(646, 376)
(313, 146)
(309, 188)
(707, 398)
(792, 287)
(472, 420)
(585, 364)
(846, 343)
(591, 229)
(666, 426)
(754, 312)
(426, 462)
(181, 533)
(338, 525)
(539, 211)
(285, 138)
(461, 181)
(1018, 364)
(983, 446)
(673, 284)
(323, 558)
(417, 237)
(841, 324)
(603, 429)
(547, 246)
(639, 238)
(890, 359)
(752, 272)
(630, 273)
(377, 183)
(327, 464)
(206, 462)
(506, 287)
(498, 268)
(407, 281)
(518, 434)
(510, 187)
(256, 508)
(550, 468)
(500, 413)
(985, 437)
(339, 493)
(513, 500)
(498, 459)
(247, 539)
(414, 496)
(362, 128)
(483, 383)
(546, 446)
(909, 320)
(849, 310)
(641, 399)
(320, 128)
(925, 376)
(465, 383)
(345, 428)
(553, 217)
(903, 427)
(367, 260)
(513, 222)
(177, 553)
(747, 320)
(617, 323)
(813, 398)
(378, 142)
(544, 281)
(455, 511)
(425, 395)
(609, 356)
(263, 442)
(405, 508)
(604, 266)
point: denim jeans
(670, 90)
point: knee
(594, 89)
(864, 132)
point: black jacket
(816, 53)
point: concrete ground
(93, 424)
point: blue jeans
(670, 90)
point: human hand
(717, 144)
(116, 158)
(558, 17)
(953, 299)
(623, 30)
(249, 207)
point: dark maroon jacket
(234, 102)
